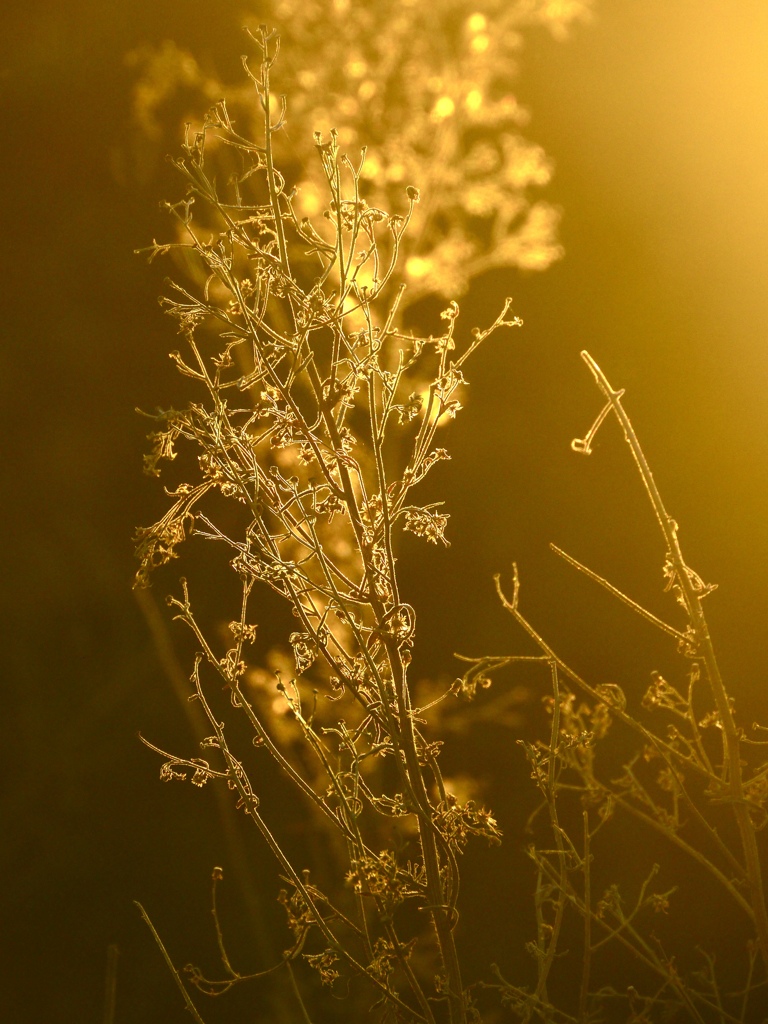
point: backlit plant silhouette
(314, 421)
(303, 380)
(689, 777)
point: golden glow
(372, 166)
(348, 106)
(477, 23)
(443, 108)
(356, 68)
(307, 79)
(367, 90)
(308, 202)
(395, 172)
(417, 267)
(473, 100)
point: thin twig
(166, 956)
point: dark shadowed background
(656, 117)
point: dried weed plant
(308, 425)
(685, 770)
(313, 428)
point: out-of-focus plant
(429, 88)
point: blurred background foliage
(429, 90)
(654, 115)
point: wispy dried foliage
(311, 445)
(313, 421)
(681, 768)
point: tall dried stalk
(310, 439)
